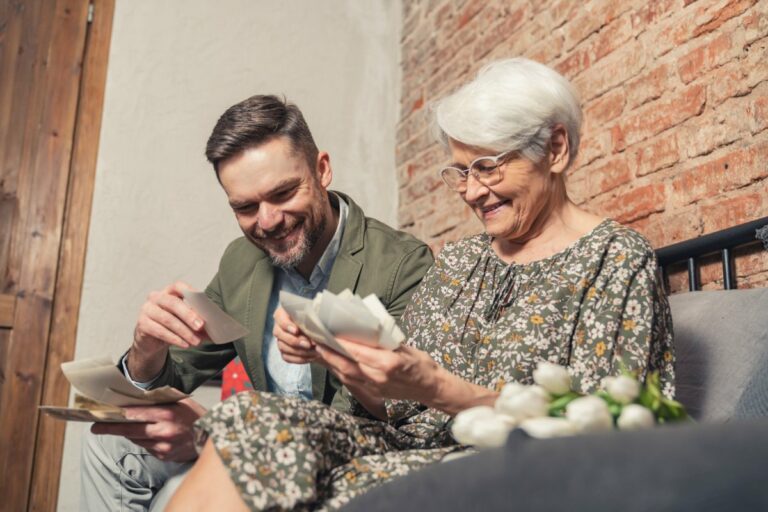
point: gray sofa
(718, 463)
(721, 343)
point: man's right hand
(165, 319)
(294, 346)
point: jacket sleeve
(406, 278)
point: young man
(299, 237)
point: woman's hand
(406, 373)
(294, 346)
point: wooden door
(52, 72)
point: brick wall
(675, 96)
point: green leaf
(558, 405)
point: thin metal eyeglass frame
(465, 172)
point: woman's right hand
(294, 346)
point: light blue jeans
(117, 475)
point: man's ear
(323, 169)
(559, 150)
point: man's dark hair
(255, 121)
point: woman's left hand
(406, 373)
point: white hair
(512, 104)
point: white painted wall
(174, 67)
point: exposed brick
(504, 29)
(648, 86)
(704, 58)
(575, 62)
(470, 10)
(715, 128)
(714, 177)
(421, 187)
(561, 12)
(607, 175)
(696, 21)
(727, 82)
(443, 16)
(670, 227)
(413, 147)
(611, 71)
(547, 50)
(657, 154)
(636, 203)
(755, 23)
(650, 12)
(720, 16)
(658, 116)
(595, 47)
(724, 213)
(605, 108)
(757, 112)
(592, 147)
(591, 18)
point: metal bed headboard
(723, 241)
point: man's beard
(309, 236)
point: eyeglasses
(485, 169)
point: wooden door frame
(58, 99)
(49, 445)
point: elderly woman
(546, 281)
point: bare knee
(207, 486)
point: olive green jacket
(372, 258)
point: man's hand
(165, 319)
(294, 346)
(168, 433)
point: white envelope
(221, 327)
(99, 379)
(302, 312)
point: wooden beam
(42, 185)
(7, 309)
(77, 215)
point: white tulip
(624, 389)
(519, 404)
(552, 377)
(589, 414)
(464, 422)
(548, 427)
(480, 426)
(491, 433)
(634, 417)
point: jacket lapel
(345, 274)
(262, 279)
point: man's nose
(475, 189)
(270, 217)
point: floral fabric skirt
(285, 453)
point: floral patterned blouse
(595, 307)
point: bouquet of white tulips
(550, 408)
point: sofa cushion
(689, 467)
(721, 342)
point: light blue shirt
(282, 377)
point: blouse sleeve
(412, 322)
(624, 321)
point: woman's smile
(491, 210)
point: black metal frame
(723, 241)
